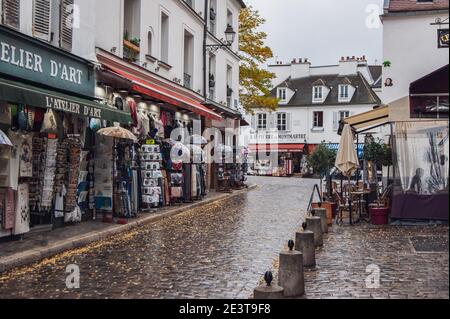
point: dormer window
(282, 96)
(343, 92)
(318, 94)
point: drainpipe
(205, 35)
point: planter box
(131, 46)
(379, 216)
(330, 212)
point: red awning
(165, 95)
(281, 148)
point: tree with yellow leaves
(255, 82)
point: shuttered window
(66, 28)
(42, 19)
(11, 13)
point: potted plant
(212, 82)
(321, 161)
(378, 153)
(136, 42)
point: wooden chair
(385, 198)
(343, 206)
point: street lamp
(230, 34)
(230, 37)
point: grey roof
(304, 86)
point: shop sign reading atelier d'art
(31, 60)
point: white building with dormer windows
(312, 102)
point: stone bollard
(291, 276)
(304, 243)
(322, 213)
(315, 225)
(268, 291)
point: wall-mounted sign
(29, 59)
(275, 137)
(443, 38)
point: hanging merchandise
(133, 110)
(122, 180)
(22, 117)
(59, 201)
(5, 113)
(61, 175)
(47, 174)
(74, 157)
(150, 163)
(103, 173)
(26, 156)
(8, 199)
(22, 219)
(49, 124)
(83, 183)
(95, 124)
(118, 103)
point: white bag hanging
(49, 124)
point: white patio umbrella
(347, 158)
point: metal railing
(187, 81)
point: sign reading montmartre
(277, 137)
(31, 60)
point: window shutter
(288, 122)
(41, 19)
(66, 28)
(11, 13)
(253, 123)
(335, 121)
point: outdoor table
(361, 194)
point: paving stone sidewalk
(36, 246)
(413, 263)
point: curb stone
(37, 254)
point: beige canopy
(369, 119)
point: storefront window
(429, 106)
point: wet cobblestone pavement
(218, 251)
(404, 272)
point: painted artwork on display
(26, 156)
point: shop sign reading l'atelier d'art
(31, 60)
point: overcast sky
(322, 30)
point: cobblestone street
(405, 273)
(219, 251)
(223, 249)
